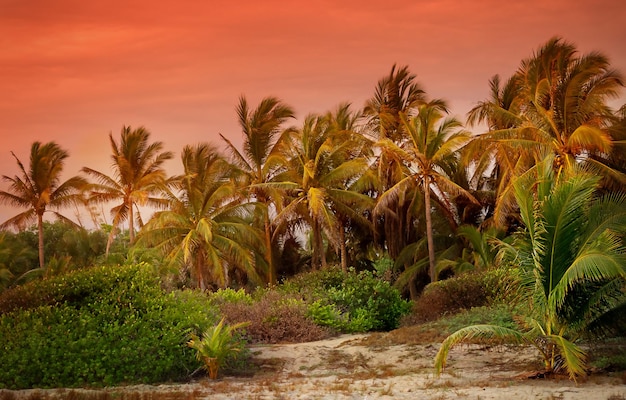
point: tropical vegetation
(334, 223)
(572, 262)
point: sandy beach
(366, 367)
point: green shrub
(462, 292)
(353, 302)
(101, 326)
(229, 295)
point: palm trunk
(110, 240)
(429, 230)
(269, 256)
(200, 266)
(131, 223)
(40, 237)
(344, 250)
(318, 258)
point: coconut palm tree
(257, 162)
(491, 155)
(574, 262)
(430, 156)
(207, 226)
(324, 162)
(395, 93)
(616, 160)
(40, 189)
(556, 103)
(137, 179)
(565, 98)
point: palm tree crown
(138, 177)
(40, 188)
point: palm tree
(40, 188)
(495, 160)
(616, 160)
(395, 93)
(565, 102)
(138, 177)
(430, 156)
(556, 103)
(257, 161)
(207, 226)
(324, 162)
(574, 262)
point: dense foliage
(100, 326)
(353, 302)
(399, 177)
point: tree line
(400, 177)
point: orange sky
(74, 70)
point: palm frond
(481, 333)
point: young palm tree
(574, 260)
(216, 346)
(430, 155)
(138, 177)
(206, 227)
(324, 162)
(40, 189)
(261, 127)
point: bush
(465, 291)
(356, 302)
(274, 318)
(228, 295)
(101, 326)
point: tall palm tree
(261, 128)
(138, 178)
(556, 103)
(429, 157)
(324, 163)
(396, 93)
(572, 256)
(492, 156)
(565, 98)
(206, 227)
(40, 189)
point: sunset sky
(72, 71)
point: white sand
(343, 368)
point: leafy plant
(352, 302)
(216, 346)
(99, 326)
(573, 264)
(467, 290)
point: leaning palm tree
(137, 180)
(207, 227)
(40, 188)
(261, 128)
(574, 262)
(430, 155)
